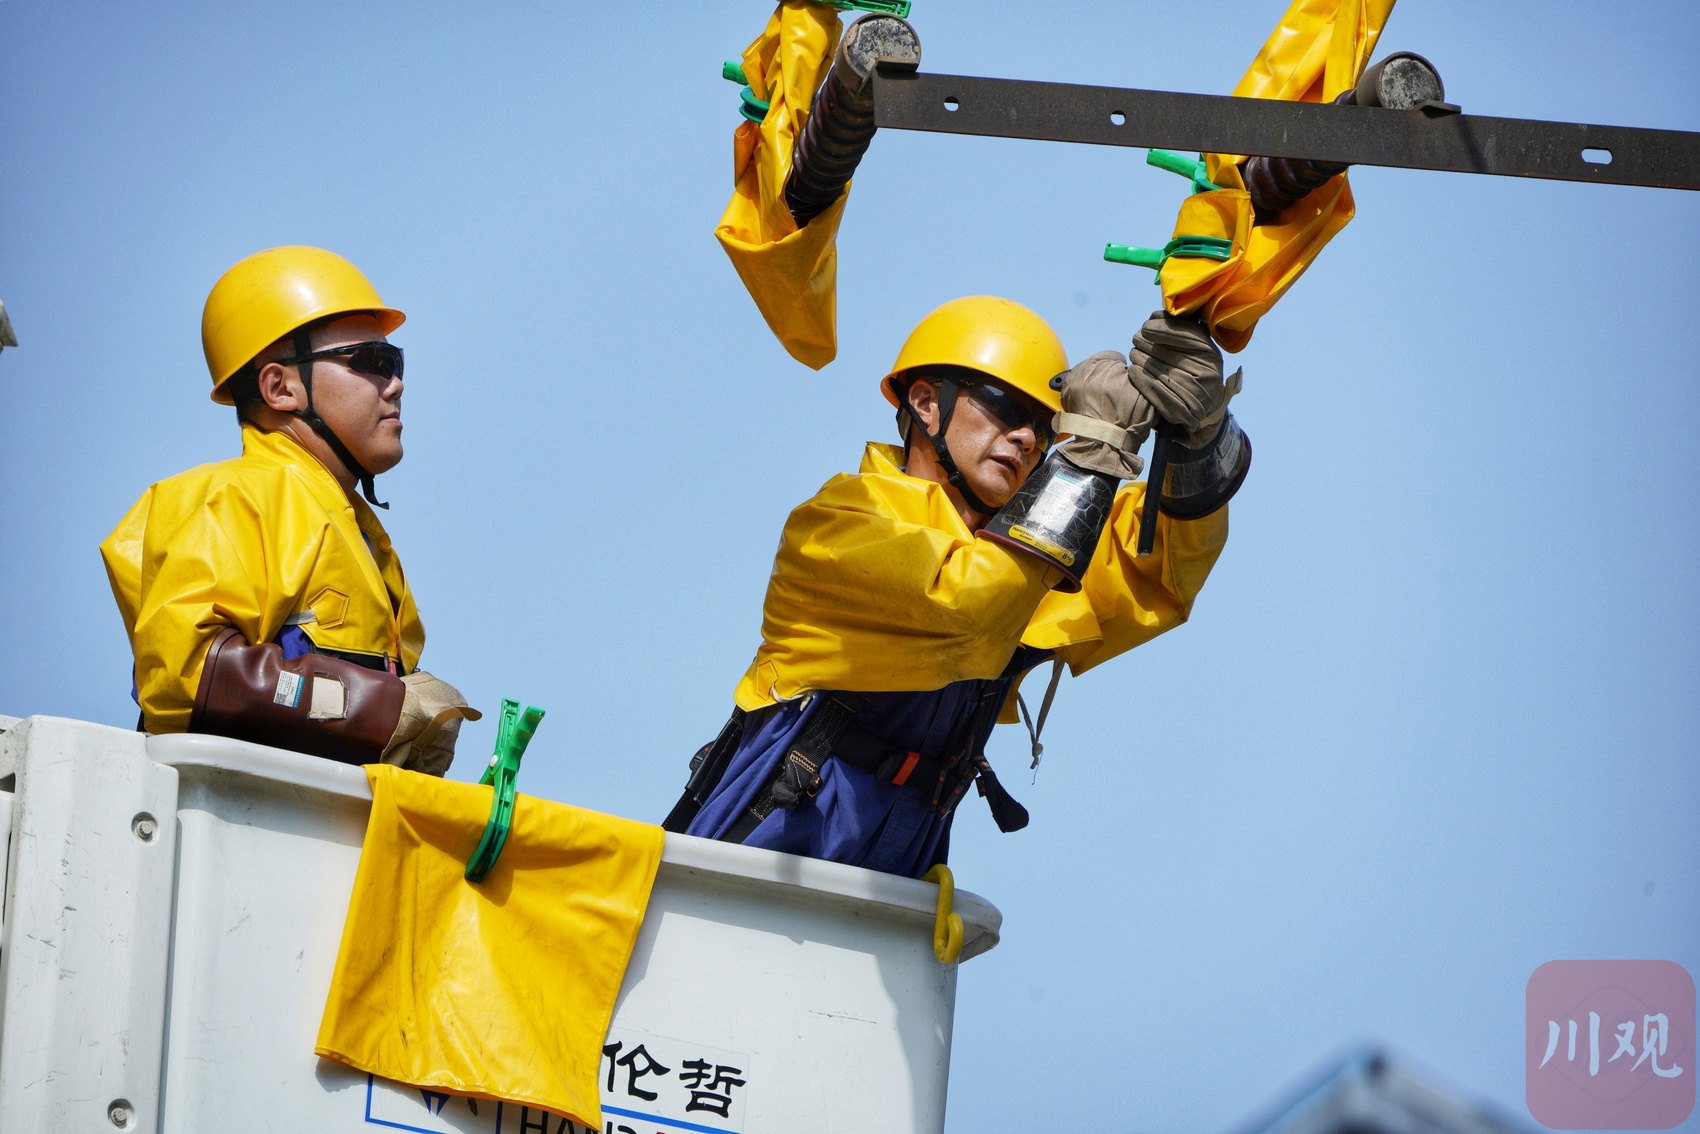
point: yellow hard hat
(996, 336)
(270, 294)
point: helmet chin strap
(304, 345)
(947, 406)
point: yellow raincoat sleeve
(1319, 49)
(183, 566)
(1126, 600)
(503, 989)
(878, 586)
(791, 272)
(249, 543)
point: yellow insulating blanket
(501, 990)
(1319, 49)
(791, 272)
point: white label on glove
(288, 693)
(327, 701)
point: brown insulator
(1275, 183)
(841, 123)
(1402, 81)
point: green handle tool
(1190, 168)
(1206, 247)
(1203, 247)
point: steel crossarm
(1434, 137)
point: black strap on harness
(708, 768)
(798, 776)
(1007, 812)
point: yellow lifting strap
(1319, 49)
(791, 272)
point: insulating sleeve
(317, 704)
(841, 122)
(1199, 481)
(1058, 516)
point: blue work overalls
(854, 818)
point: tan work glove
(431, 712)
(1178, 367)
(1108, 418)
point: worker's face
(364, 410)
(994, 458)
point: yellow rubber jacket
(255, 542)
(879, 586)
(1319, 49)
(502, 989)
(791, 272)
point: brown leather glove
(1108, 418)
(425, 734)
(317, 704)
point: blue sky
(1433, 722)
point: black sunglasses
(1011, 409)
(380, 360)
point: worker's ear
(923, 395)
(281, 389)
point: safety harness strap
(708, 768)
(1007, 813)
(832, 733)
(798, 776)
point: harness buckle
(799, 777)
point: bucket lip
(858, 885)
(218, 755)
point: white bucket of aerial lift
(173, 907)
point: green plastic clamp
(752, 108)
(1201, 247)
(1190, 168)
(898, 8)
(512, 735)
